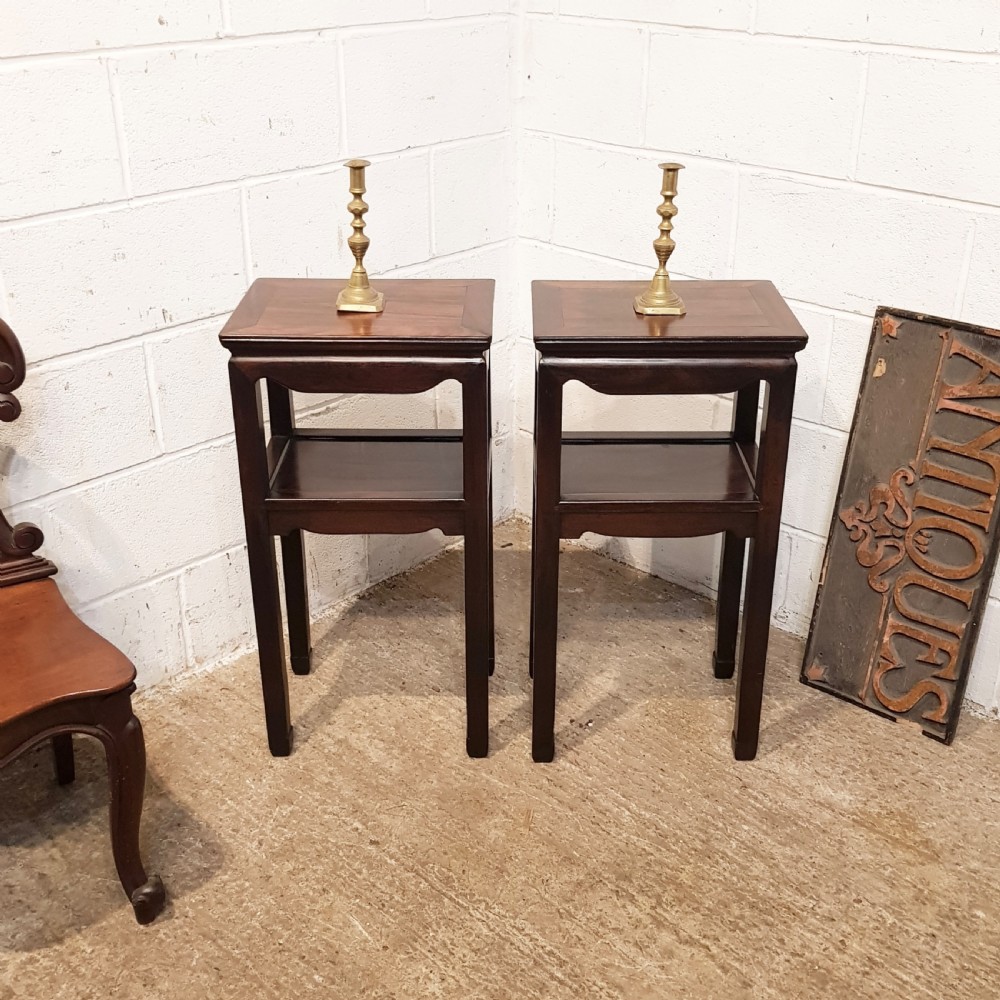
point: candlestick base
(360, 300)
(659, 299)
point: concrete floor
(852, 859)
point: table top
(298, 316)
(723, 318)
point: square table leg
(763, 557)
(252, 455)
(293, 562)
(744, 432)
(545, 561)
(478, 557)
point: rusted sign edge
(971, 635)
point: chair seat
(50, 656)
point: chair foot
(744, 750)
(492, 665)
(280, 746)
(543, 751)
(147, 901)
(301, 665)
(723, 669)
(477, 747)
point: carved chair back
(18, 544)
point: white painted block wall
(849, 152)
(158, 158)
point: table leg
(727, 610)
(545, 533)
(489, 496)
(744, 433)
(293, 564)
(478, 561)
(763, 557)
(250, 449)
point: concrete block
(389, 555)
(145, 624)
(815, 457)
(981, 302)
(415, 99)
(116, 274)
(524, 459)
(468, 8)
(908, 101)
(299, 225)
(383, 410)
(800, 558)
(563, 92)
(251, 17)
(605, 203)
(58, 136)
(189, 376)
(200, 116)
(771, 103)
(794, 232)
(926, 23)
(120, 531)
(535, 185)
(473, 195)
(337, 567)
(983, 689)
(218, 608)
(584, 409)
(82, 417)
(690, 13)
(811, 379)
(848, 351)
(503, 477)
(296, 229)
(69, 26)
(691, 562)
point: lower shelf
(340, 466)
(655, 471)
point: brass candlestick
(359, 296)
(660, 299)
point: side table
(289, 333)
(734, 336)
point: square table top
(723, 318)
(298, 316)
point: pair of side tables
(734, 336)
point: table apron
(398, 375)
(667, 376)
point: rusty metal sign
(914, 532)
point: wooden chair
(58, 677)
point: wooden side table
(288, 331)
(735, 335)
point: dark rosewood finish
(734, 336)
(57, 677)
(289, 333)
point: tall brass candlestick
(359, 296)
(660, 299)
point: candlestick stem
(358, 295)
(660, 299)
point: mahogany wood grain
(736, 336)
(425, 317)
(345, 481)
(50, 655)
(595, 318)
